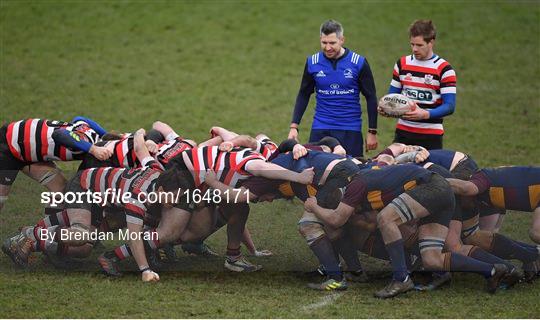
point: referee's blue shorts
(352, 141)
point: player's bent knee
(433, 259)
(431, 251)
(534, 234)
(311, 231)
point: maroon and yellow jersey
(512, 188)
(31, 140)
(122, 181)
(374, 189)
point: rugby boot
(394, 288)
(18, 248)
(510, 279)
(329, 285)
(240, 264)
(531, 270)
(198, 249)
(494, 281)
(167, 253)
(438, 281)
(356, 276)
(109, 265)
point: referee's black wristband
(298, 130)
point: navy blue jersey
(317, 159)
(442, 157)
(376, 188)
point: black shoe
(394, 288)
(493, 282)
(329, 285)
(356, 276)
(438, 281)
(510, 279)
(198, 249)
(167, 254)
(531, 270)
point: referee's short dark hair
(331, 26)
(424, 28)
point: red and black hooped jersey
(31, 140)
(170, 149)
(124, 155)
(512, 188)
(266, 147)
(229, 166)
(424, 81)
(123, 180)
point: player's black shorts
(428, 141)
(328, 195)
(89, 161)
(437, 197)
(465, 168)
(74, 186)
(9, 165)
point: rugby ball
(394, 105)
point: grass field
(195, 64)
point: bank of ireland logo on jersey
(334, 86)
(348, 73)
(320, 74)
(428, 78)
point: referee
(337, 75)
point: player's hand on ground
(101, 153)
(151, 146)
(306, 176)
(340, 150)
(150, 276)
(262, 253)
(299, 151)
(310, 204)
(226, 146)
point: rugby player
(404, 193)
(32, 145)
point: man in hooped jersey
(337, 75)
(430, 82)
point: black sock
(348, 252)
(396, 252)
(507, 248)
(461, 263)
(322, 248)
(482, 255)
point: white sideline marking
(324, 301)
